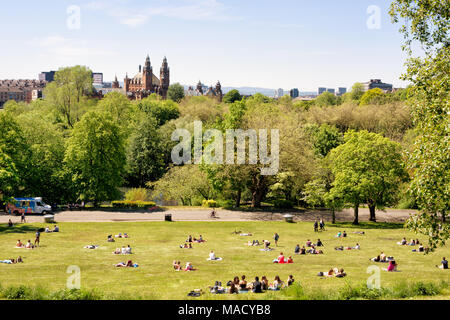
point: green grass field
(156, 245)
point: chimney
(140, 68)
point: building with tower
(146, 83)
(201, 90)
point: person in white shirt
(212, 255)
(124, 250)
(128, 249)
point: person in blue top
(276, 237)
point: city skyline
(297, 45)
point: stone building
(211, 92)
(19, 90)
(145, 82)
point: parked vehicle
(28, 206)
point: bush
(138, 194)
(209, 203)
(283, 204)
(133, 204)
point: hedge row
(209, 203)
(133, 204)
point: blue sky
(273, 44)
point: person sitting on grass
(277, 284)
(319, 243)
(341, 273)
(290, 280)
(421, 248)
(233, 289)
(243, 284)
(303, 250)
(117, 251)
(357, 247)
(177, 265)
(382, 257)
(189, 267)
(212, 257)
(111, 239)
(280, 259)
(290, 260)
(308, 243)
(199, 240)
(403, 242)
(297, 249)
(189, 239)
(47, 230)
(344, 235)
(124, 250)
(19, 244)
(217, 288)
(444, 264)
(10, 223)
(128, 250)
(412, 242)
(392, 266)
(339, 234)
(376, 259)
(29, 245)
(257, 286)
(19, 259)
(265, 283)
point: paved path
(203, 215)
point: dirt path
(203, 215)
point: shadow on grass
(17, 228)
(369, 225)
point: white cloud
(67, 47)
(131, 15)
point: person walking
(22, 218)
(316, 226)
(322, 225)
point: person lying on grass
(444, 264)
(212, 257)
(333, 272)
(129, 264)
(277, 284)
(91, 246)
(246, 234)
(342, 248)
(12, 261)
(189, 267)
(186, 246)
(253, 243)
(177, 265)
(120, 235)
(111, 239)
(313, 250)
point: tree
(145, 156)
(367, 169)
(118, 105)
(357, 91)
(370, 96)
(232, 96)
(428, 23)
(176, 92)
(67, 93)
(95, 157)
(162, 111)
(326, 99)
(324, 138)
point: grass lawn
(156, 245)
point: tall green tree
(232, 96)
(67, 93)
(357, 91)
(145, 156)
(427, 23)
(367, 169)
(370, 96)
(176, 92)
(95, 157)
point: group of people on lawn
(241, 285)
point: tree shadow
(21, 228)
(369, 225)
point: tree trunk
(333, 216)
(258, 190)
(443, 215)
(372, 213)
(356, 222)
(257, 196)
(238, 199)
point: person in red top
(290, 260)
(281, 258)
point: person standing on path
(22, 218)
(316, 226)
(276, 237)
